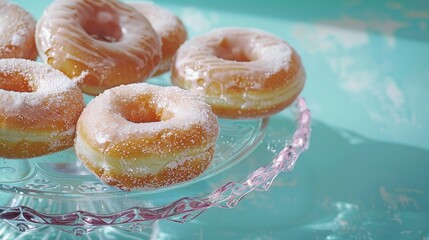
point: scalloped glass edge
(185, 209)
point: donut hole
(233, 50)
(15, 83)
(103, 25)
(143, 109)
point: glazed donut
(106, 42)
(168, 27)
(242, 73)
(141, 136)
(39, 109)
(17, 32)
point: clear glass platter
(364, 177)
(56, 191)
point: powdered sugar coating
(242, 73)
(48, 90)
(17, 28)
(38, 105)
(175, 127)
(179, 109)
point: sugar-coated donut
(168, 27)
(39, 109)
(17, 28)
(141, 136)
(242, 73)
(106, 42)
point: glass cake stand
(56, 191)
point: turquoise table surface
(365, 175)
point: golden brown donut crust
(189, 169)
(241, 73)
(39, 109)
(105, 43)
(152, 133)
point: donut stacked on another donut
(39, 108)
(168, 27)
(17, 28)
(242, 73)
(107, 43)
(141, 136)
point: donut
(39, 109)
(242, 73)
(17, 28)
(168, 27)
(142, 136)
(106, 42)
